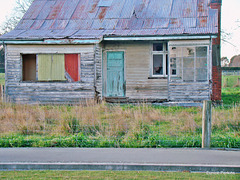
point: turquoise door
(115, 74)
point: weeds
(102, 125)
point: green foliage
(2, 78)
(231, 95)
(113, 175)
(231, 90)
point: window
(51, 67)
(29, 67)
(189, 63)
(160, 59)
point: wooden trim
(157, 77)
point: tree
(224, 62)
(19, 10)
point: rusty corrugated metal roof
(93, 19)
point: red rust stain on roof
(200, 7)
(102, 13)
(174, 21)
(93, 8)
(187, 11)
(203, 21)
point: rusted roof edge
(52, 41)
(156, 38)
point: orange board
(72, 66)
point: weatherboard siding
(137, 58)
(49, 92)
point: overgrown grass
(231, 90)
(113, 175)
(102, 125)
(2, 78)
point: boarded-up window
(51, 67)
(72, 67)
(29, 67)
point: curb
(119, 167)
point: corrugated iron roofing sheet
(98, 18)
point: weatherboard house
(66, 51)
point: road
(198, 160)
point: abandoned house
(66, 51)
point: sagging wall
(139, 83)
(49, 92)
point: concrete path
(193, 160)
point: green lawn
(231, 90)
(2, 78)
(113, 175)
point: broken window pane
(188, 51)
(157, 64)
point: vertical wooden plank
(206, 124)
(72, 66)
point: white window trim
(164, 53)
(195, 57)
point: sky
(230, 16)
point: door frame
(104, 71)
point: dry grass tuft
(107, 120)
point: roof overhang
(51, 41)
(158, 38)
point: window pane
(201, 51)
(188, 69)
(157, 64)
(201, 74)
(188, 51)
(173, 66)
(158, 47)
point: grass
(231, 90)
(113, 175)
(103, 125)
(2, 78)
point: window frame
(37, 68)
(165, 55)
(195, 46)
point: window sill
(157, 77)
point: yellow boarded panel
(44, 67)
(51, 67)
(58, 67)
